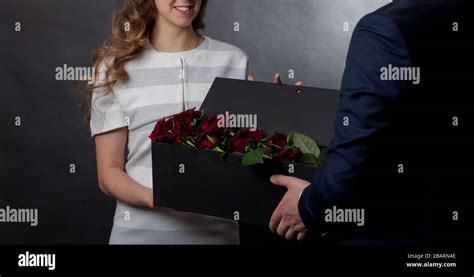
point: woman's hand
(149, 198)
(276, 80)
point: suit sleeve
(361, 115)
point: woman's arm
(113, 180)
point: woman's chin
(183, 24)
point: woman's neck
(169, 38)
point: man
(399, 67)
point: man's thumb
(282, 180)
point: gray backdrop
(47, 158)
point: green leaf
(211, 139)
(254, 157)
(323, 154)
(306, 144)
(268, 156)
(189, 143)
(218, 149)
(308, 159)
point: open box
(204, 182)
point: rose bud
(257, 135)
(161, 130)
(208, 125)
(207, 141)
(277, 140)
(238, 142)
(178, 134)
(175, 137)
(225, 132)
(176, 122)
(287, 154)
(197, 114)
(187, 117)
(185, 131)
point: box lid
(278, 108)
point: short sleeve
(106, 111)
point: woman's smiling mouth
(185, 10)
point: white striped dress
(162, 84)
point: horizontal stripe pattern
(153, 77)
(144, 115)
(130, 236)
(177, 76)
(203, 58)
(211, 53)
(157, 88)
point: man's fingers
(302, 235)
(251, 78)
(299, 228)
(299, 84)
(275, 219)
(282, 228)
(279, 180)
(291, 234)
(285, 181)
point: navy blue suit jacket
(362, 161)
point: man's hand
(286, 220)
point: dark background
(307, 36)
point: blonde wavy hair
(125, 45)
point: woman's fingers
(277, 79)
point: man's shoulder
(387, 13)
(413, 13)
(400, 7)
(395, 12)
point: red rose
(257, 135)
(224, 131)
(206, 141)
(278, 140)
(187, 117)
(179, 132)
(197, 114)
(176, 122)
(175, 137)
(238, 142)
(161, 130)
(287, 154)
(208, 125)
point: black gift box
(202, 181)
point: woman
(155, 65)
